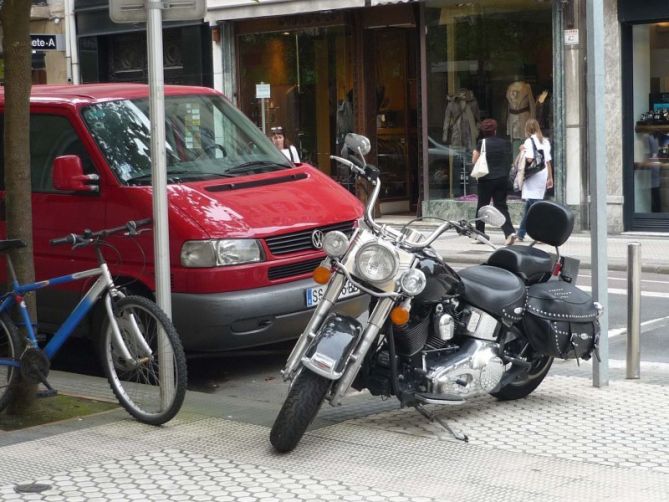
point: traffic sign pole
(154, 40)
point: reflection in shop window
(486, 59)
(311, 82)
(651, 111)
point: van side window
(52, 136)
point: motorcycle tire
(523, 387)
(298, 411)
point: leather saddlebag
(561, 320)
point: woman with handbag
(496, 153)
(538, 174)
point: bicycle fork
(120, 346)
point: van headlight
(220, 253)
(376, 263)
(335, 243)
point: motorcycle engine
(475, 368)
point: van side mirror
(68, 175)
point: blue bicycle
(140, 349)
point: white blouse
(534, 187)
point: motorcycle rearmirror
(491, 216)
(358, 143)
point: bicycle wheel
(10, 347)
(151, 389)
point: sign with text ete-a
(47, 42)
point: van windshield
(206, 138)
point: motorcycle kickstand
(433, 418)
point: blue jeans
(521, 229)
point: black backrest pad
(550, 222)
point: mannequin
(461, 127)
(521, 109)
(543, 111)
(461, 120)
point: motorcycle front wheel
(299, 409)
(523, 387)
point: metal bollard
(633, 309)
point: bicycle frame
(102, 284)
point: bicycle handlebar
(87, 237)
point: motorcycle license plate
(315, 295)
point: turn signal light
(322, 275)
(399, 315)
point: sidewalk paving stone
(567, 441)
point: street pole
(158, 159)
(597, 165)
(154, 39)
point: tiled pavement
(567, 441)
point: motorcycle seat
(532, 265)
(495, 290)
(547, 222)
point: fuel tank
(442, 280)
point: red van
(241, 216)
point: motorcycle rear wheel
(523, 387)
(298, 411)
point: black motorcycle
(434, 336)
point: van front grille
(294, 269)
(301, 241)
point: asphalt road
(257, 373)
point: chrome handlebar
(465, 229)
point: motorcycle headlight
(376, 263)
(220, 253)
(413, 282)
(335, 243)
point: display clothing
(534, 187)
(521, 108)
(461, 120)
(344, 118)
(291, 154)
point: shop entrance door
(395, 112)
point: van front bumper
(240, 319)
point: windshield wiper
(179, 175)
(255, 164)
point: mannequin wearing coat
(521, 108)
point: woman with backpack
(538, 169)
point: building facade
(417, 77)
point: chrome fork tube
(376, 321)
(335, 286)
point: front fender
(328, 353)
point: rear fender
(329, 352)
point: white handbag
(481, 166)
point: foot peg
(448, 399)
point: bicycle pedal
(47, 393)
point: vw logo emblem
(317, 239)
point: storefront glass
(311, 87)
(485, 59)
(650, 56)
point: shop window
(311, 88)
(485, 60)
(651, 112)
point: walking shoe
(520, 239)
(511, 239)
